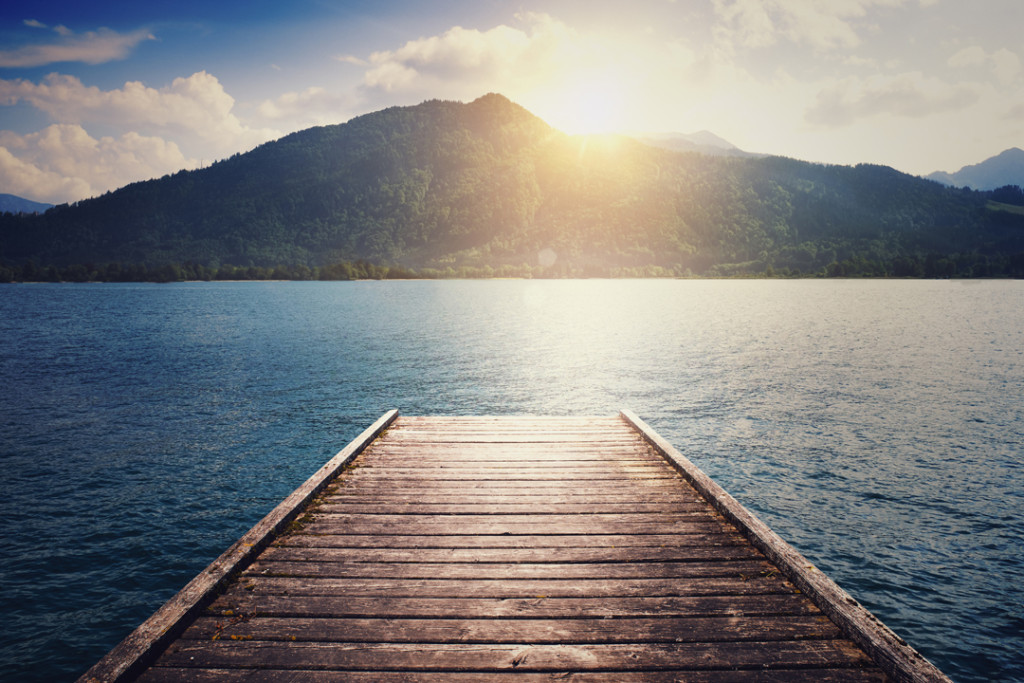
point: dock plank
(502, 589)
(549, 542)
(196, 675)
(244, 603)
(444, 657)
(427, 556)
(411, 570)
(526, 631)
(508, 548)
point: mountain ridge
(703, 141)
(1005, 168)
(16, 204)
(447, 186)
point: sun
(589, 105)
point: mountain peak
(492, 99)
(13, 204)
(499, 107)
(1005, 168)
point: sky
(95, 95)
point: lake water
(876, 425)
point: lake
(876, 425)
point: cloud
(474, 59)
(64, 163)
(196, 107)
(458, 50)
(1004, 64)
(1016, 113)
(903, 95)
(158, 130)
(313, 106)
(969, 56)
(352, 59)
(563, 74)
(94, 47)
(822, 24)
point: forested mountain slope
(487, 184)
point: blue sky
(97, 95)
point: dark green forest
(446, 189)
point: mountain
(1006, 168)
(13, 204)
(703, 141)
(487, 187)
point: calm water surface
(876, 425)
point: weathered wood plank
(569, 468)
(527, 631)
(607, 438)
(551, 542)
(370, 525)
(431, 556)
(413, 454)
(489, 498)
(510, 473)
(456, 437)
(665, 519)
(509, 657)
(514, 588)
(643, 487)
(243, 602)
(487, 454)
(195, 675)
(410, 505)
(594, 570)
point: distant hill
(489, 188)
(703, 141)
(1006, 168)
(13, 204)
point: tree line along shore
(930, 266)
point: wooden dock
(522, 549)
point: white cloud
(969, 56)
(63, 162)
(314, 106)
(563, 75)
(458, 50)
(823, 24)
(27, 180)
(94, 47)
(746, 22)
(352, 59)
(909, 94)
(1006, 65)
(159, 130)
(1016, 113)
(1003, 64)
(390, 76)
(196, 107)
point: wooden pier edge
(135, 652)
(891, 653)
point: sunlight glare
(589, 106)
